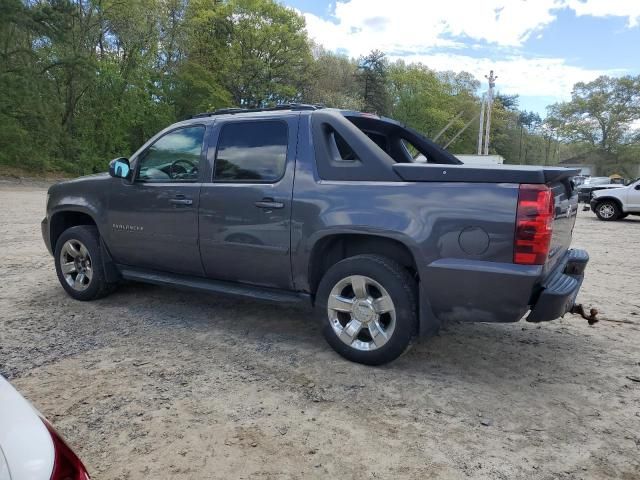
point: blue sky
(538, 48)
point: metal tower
(485, 111)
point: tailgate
(566, 210)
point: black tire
(608, 210)
(396, 283)
(97, 286)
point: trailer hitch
(579, 310)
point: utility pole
(480, 130)
(485, 110)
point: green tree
(372, 77)
(600, 112)
(254, 53)
(85, 80)
(24, 92)
(529, 122)
(427, 101)
(504, 139)
(270, 56)
(332, 81)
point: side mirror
(119, 168)
(638, 187)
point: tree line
(82, 81)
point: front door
(245, 210)
(153, 221)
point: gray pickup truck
(305, 204)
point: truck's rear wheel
(368, 307)
(79, 263)
(608, 210)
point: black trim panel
(212, 286)
(373, 164)
(414, 172)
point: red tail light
(534, 224)
(66, 464)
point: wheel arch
(64, 219)
(616, 200)
(331, 248)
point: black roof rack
(284, 106)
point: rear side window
(413, 152)
(341, 150)
(251, 151)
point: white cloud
(548, 77)
(359, 26)
(419, 31)
(608, 8)
(405, 25)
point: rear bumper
(560, 289)
(477, 291)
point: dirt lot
(155, 383)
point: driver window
(175, 157)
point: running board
(212, 286)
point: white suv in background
(617, 203)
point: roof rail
(283, 106)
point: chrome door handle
(181, 201)
(269, 204)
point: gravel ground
(156, 383)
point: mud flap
(111, 272)
(428, 323)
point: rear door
(245, 208)
(153, 221)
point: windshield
(597, 181)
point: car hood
(606, 185)
(86, 179)
(603, 191)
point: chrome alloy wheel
(606, 210)
(361, 312)
(75, 263)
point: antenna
(486, 107)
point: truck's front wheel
(608, 210)
(368, 307)
(79, 263)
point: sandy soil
(155, 383)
